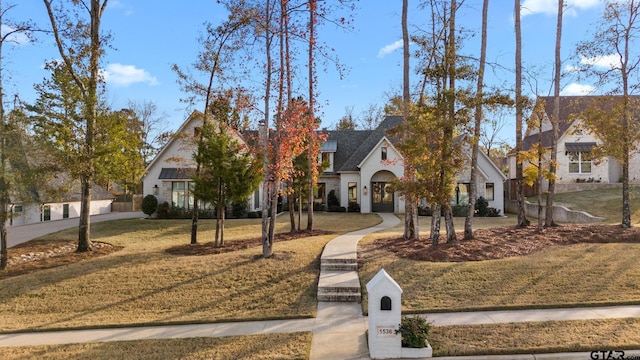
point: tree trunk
(311, 162)
(194, 220)
(522, 217)
(84, 230)
(555, 120)
(448, 223)
(267, 241)
(475, 148)
(410, 211)
(219, 210)
(435, 225)
(292, 212)
(222, 217)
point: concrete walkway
(339, 328)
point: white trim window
(580, 162)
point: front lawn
(143, 284)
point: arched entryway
(382, 196)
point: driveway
(23, 233)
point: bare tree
(475, 146)
(555, 119)
(522, 218)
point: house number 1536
(386, 331)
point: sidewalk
(339, 328)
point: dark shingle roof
(570, 108)
(355, 145)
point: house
(169, 173)
(576, 169)
(48, 199)
(362, 164)
(63, 203)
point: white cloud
(550, 7)
(388, 49)
(577, 89)
(125, 75)
(116, 4)
(18, 38)
(611, 61)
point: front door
(381, 197)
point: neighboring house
(47, 205)
(575, 165)
(53, 199)
(169, 173)
(362, 166)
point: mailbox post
(384, 317)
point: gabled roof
(354, 145)
(570, 108)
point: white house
(42, 205)
(169, 174)
(364, 163)
(362, 166)
(575, 165)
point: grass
(536, 337)
(142, 284)
(560, 276)
(605, 203)
(270, 346)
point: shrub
(493, 212)
(482, 206)
(424, 210)
(332, 199)
(239, 210)
(459, 210)
(354, 207)
(163, 210)
(414, 331)
(254, 215)
(149, 204)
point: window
(353, 192)
(384, 153)
(326, 158)
(579, 162)
(256, 199)
(65, 211)
(319, 196)
(462, 194)
(489, 192)
(178, 194)
(46, 213)
(17, 208)
(191, 198)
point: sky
(150, 36)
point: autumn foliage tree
(613, 118)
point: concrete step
(339, 297)
(338, 260)
(339, 266)
(339, 286)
